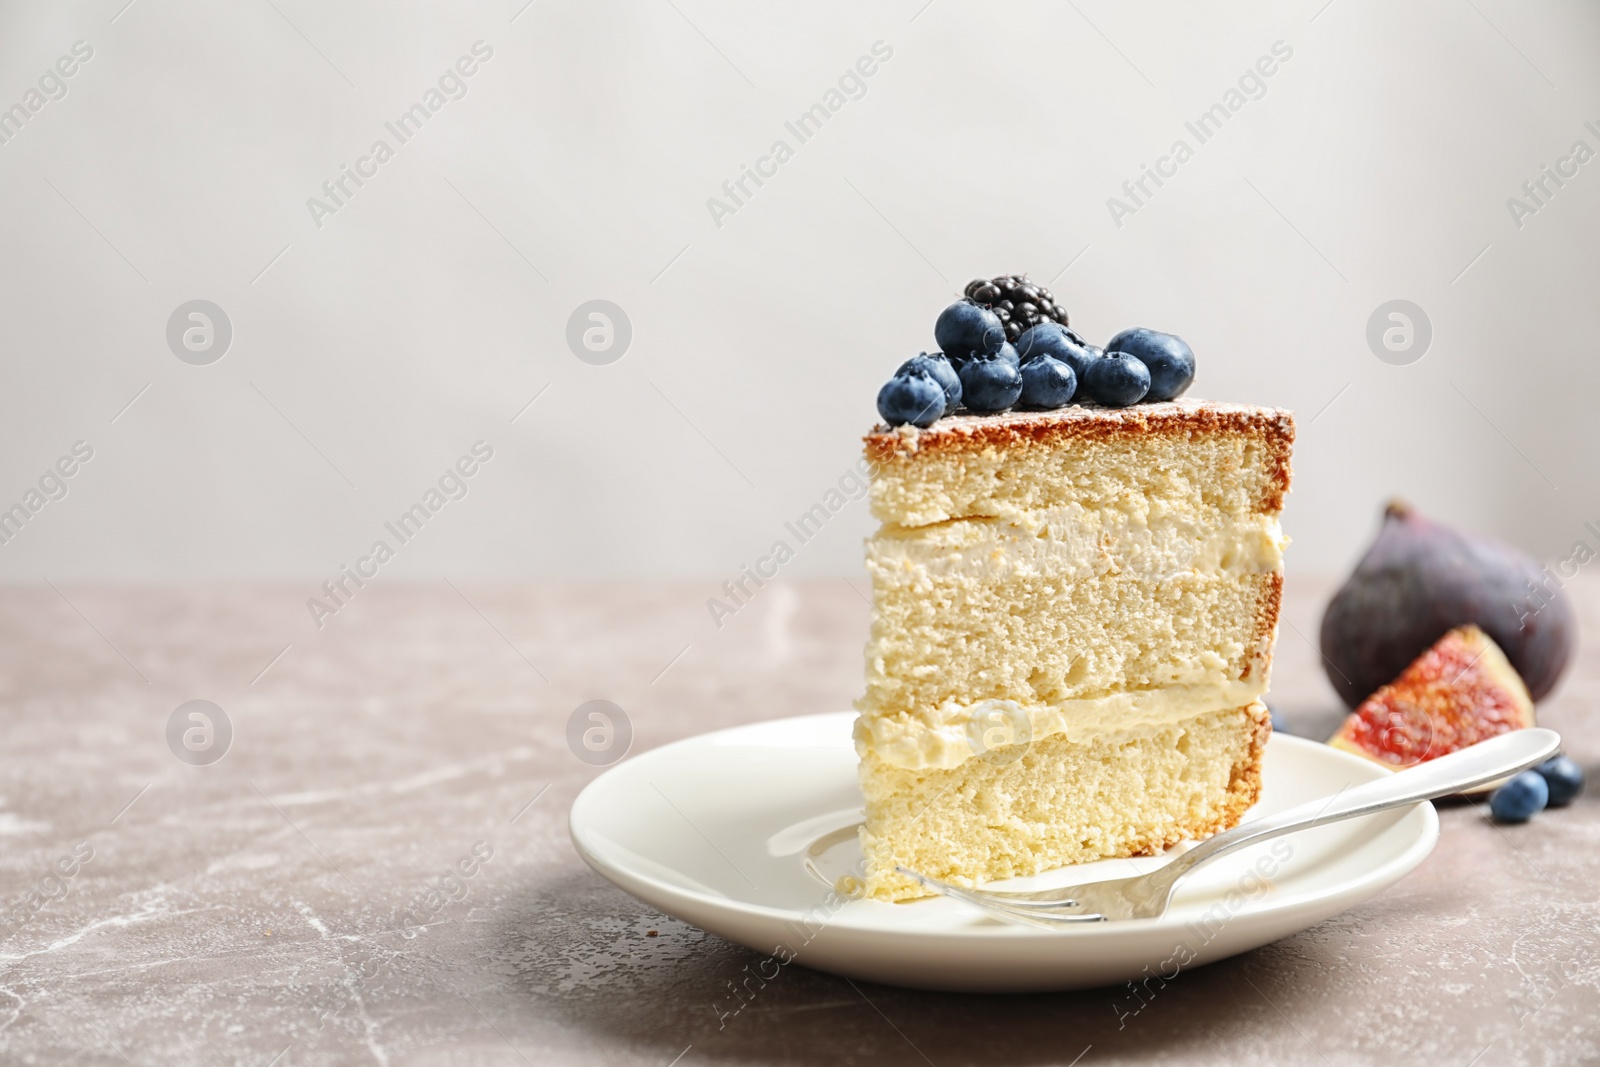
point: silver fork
(1146, 896)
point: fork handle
(1476, 765)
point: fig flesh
(1419, 580)
(1457, 693)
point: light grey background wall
(375, 339)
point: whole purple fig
(1420, 579)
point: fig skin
(1419, 580)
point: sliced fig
(1457, 693)
(1420, 579)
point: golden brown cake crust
(1266, 628)
(1084, 422)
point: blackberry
(1018, 302)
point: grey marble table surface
(378, 870)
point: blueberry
(914, 397)
(1091, 353)
(1171, 361)
(990, 383)
(1054, 339)
(1521, 798)
(940, 370)
(1116, 380)
(1047, 382)
(1041, 339)
(1564, 779)
(1008, 352)
(964, 328)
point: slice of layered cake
(1074, 616)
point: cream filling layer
(948, 736)
(1072, 542)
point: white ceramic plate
(740, 832)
